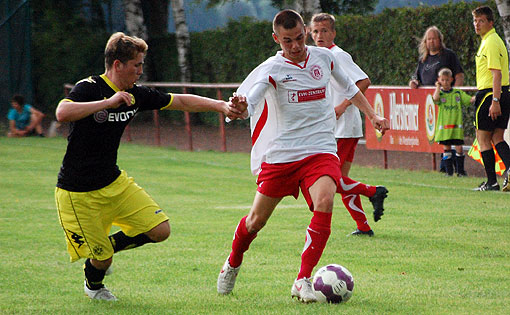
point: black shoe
(377, 201)
(359, 233)
(463, 174)
(484, 186)
(506, 184)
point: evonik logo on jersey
(104, 115)
(307, 95)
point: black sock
(504, 153)
(489, 161)
(121, 241)
(93, 276)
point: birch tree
(182, 38)
(135, 25)
(504, 12)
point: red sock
(353, 205)
(317, 235)
(241, 243)
(350, 186)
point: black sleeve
(455, 64)
(151, 98)
(86, 90)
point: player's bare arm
(380, 123)
(195, 103)
(495, 108)
(362, 86)
(72, 111)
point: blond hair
(445, 71)
(123, 48)
(422, 48)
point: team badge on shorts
(316, 72)
(98, 250)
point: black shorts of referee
(483, 101)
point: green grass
(439, 249)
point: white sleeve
(352, 70)
(345, 85)
(256, 95)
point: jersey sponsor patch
(307, 95)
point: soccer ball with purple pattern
(333, 284)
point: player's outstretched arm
(71, 111)
(380, 123)
(195, 103)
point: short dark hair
(324, 17)
(484, 10)
(124, 48)
(288, 19)
(18, 99)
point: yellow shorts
(87, 217)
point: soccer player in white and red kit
(348, 125)
(294, 146)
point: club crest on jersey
(307, 95)
(316, 72)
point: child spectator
(449, 127)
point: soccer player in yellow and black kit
(92, 193)
(492, 102)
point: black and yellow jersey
(90, 162)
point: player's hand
(238, 107)
(381, 124)
(119, 98)
(340, 109)
(438, 85)
(495, 110)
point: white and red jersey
(292, 116)
(349, 124)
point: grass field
(439, 249)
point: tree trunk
(135, 25)
(504, 12)
(306, 8)
(155, 13)
(182, 38)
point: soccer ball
(333, 284)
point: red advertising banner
(412, 115)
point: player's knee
(324, 204)
(101, 264)
(254, 224)
(160, 232)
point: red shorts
(285, 179)
(345, 149)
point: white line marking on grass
(249, 206)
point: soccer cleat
(303, 291)
(227, 278)
(506, 182)
(100, 294)
(358, 232)
(484, 187)
(377, 201)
